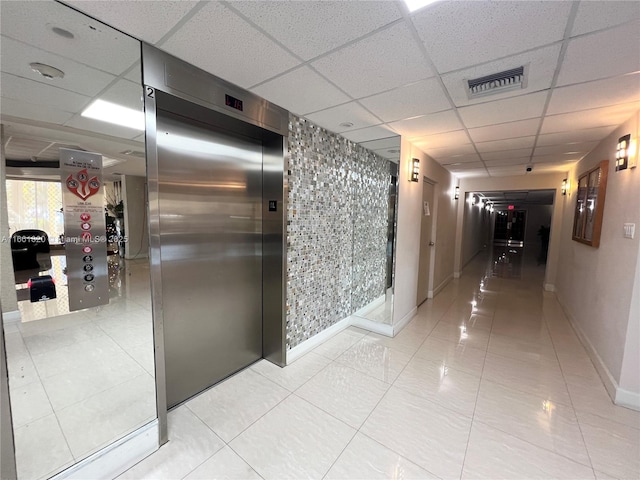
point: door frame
(434, 234)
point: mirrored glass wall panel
(79, 379)
(374, 228)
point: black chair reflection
(25, 246)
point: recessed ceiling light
(571, 153)
(346, 124)
(414, 5)
(47, 71)
(116, 114)
(62, 32)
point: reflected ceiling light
(456, 193)
(414, 5)
(47, 71)
(565, 186)
(116, 114)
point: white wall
(474, 229)
(8, 297)
(136, 224)
(408, 229)
(598, 286)
(551, 181)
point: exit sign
(511, 207)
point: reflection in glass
(380, 310)
(78, 380)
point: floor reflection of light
(463, 332)
(444, 370)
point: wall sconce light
(622, 153)
(565, 186)
(415, 169)
(456, 193)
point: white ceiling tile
(506, 144)
(409, 101)
(383, 61)
(598, 15)
(569, 149)
(311, 28)
(147, 20)
(350, 112)
(506, 154)
(475, 173)
(103, 128)
(576, 136)
(389, 143)
(442, 140)
(600, 93)
(464, 33)
(428, 124)
(597, 117)
(452, 150)
(466, 166)
(460, 159)
(505, 171)
(301, 91)
(26, 90)
(32, 111)
(500, 131)
(79, 78)
(220, 42)
(541, 63)
(602, 55)
(369, 133)
(135, 74)
(125, 93)
(508, 162)
(94, 43)
(553, 167)
(558, 159)
(502, 111)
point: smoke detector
(500, 82)
(47, 71)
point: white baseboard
(456, 274)
(628, 399)
(610, 384)
(549, 287)
(404, 321)
(443, 284)
(117, 458)
(9, 318)
(375, 327)
(311, 343)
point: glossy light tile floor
(488, 381)
(81, 380)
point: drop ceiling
(368, 63)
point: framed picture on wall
(587, 219)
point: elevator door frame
(171, 76)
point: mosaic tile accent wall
(333, 184)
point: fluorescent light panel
(414, 5)
(116, 114)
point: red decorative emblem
(82, 186)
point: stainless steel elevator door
(210, 205)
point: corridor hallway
(487, 381)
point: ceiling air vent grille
(497, 83)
